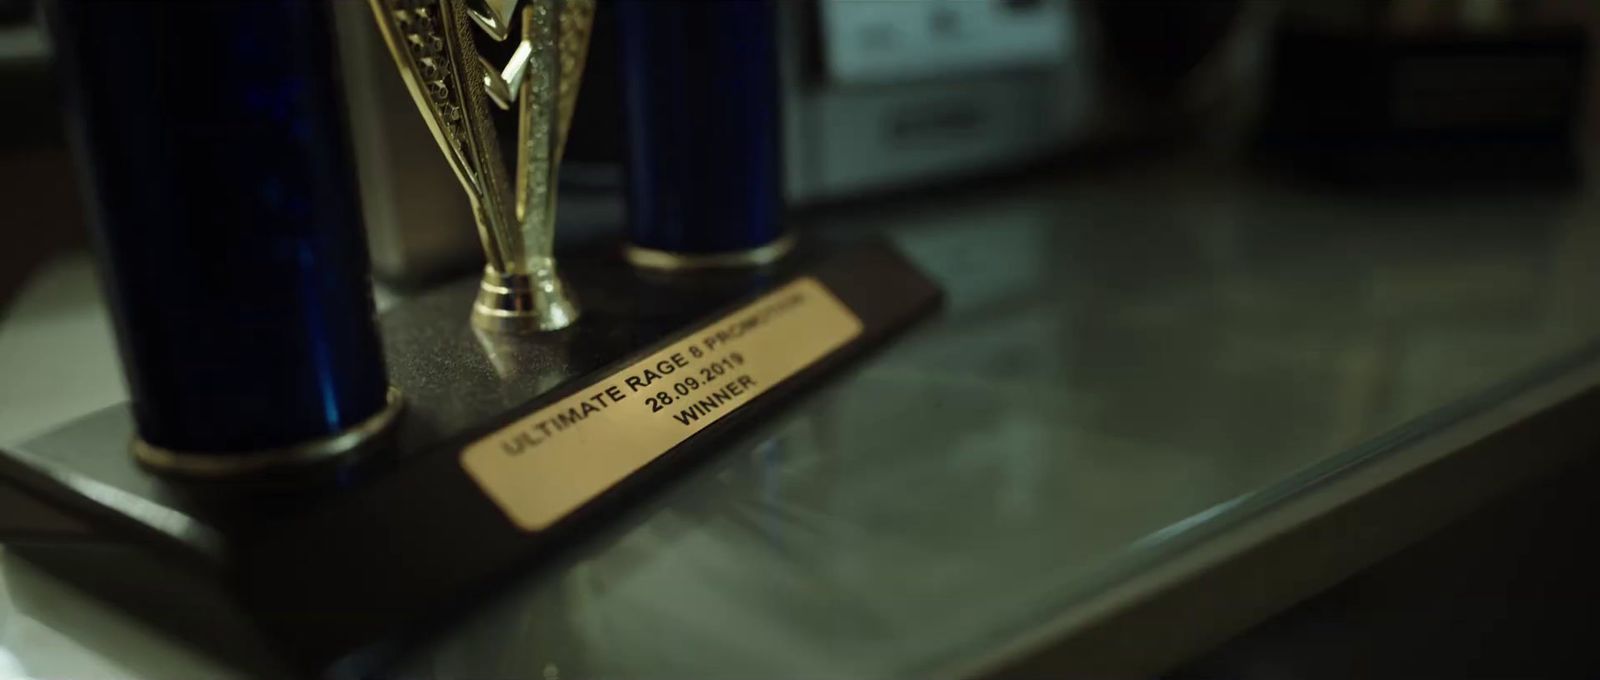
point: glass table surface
(1127, 364)
(1124, 363)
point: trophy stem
(457, 91)
(523, 302)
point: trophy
(307, 520)
(435, 45)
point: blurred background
(889, 97)
(1242, 139)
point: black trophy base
(330, 579)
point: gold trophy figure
(458, 92)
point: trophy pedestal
(330, 580)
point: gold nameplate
(550, 463)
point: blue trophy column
(700, 87)
(212, 141)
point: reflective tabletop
(1129, 364)
(1123, 361)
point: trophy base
(332, 580)
(522, 303)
